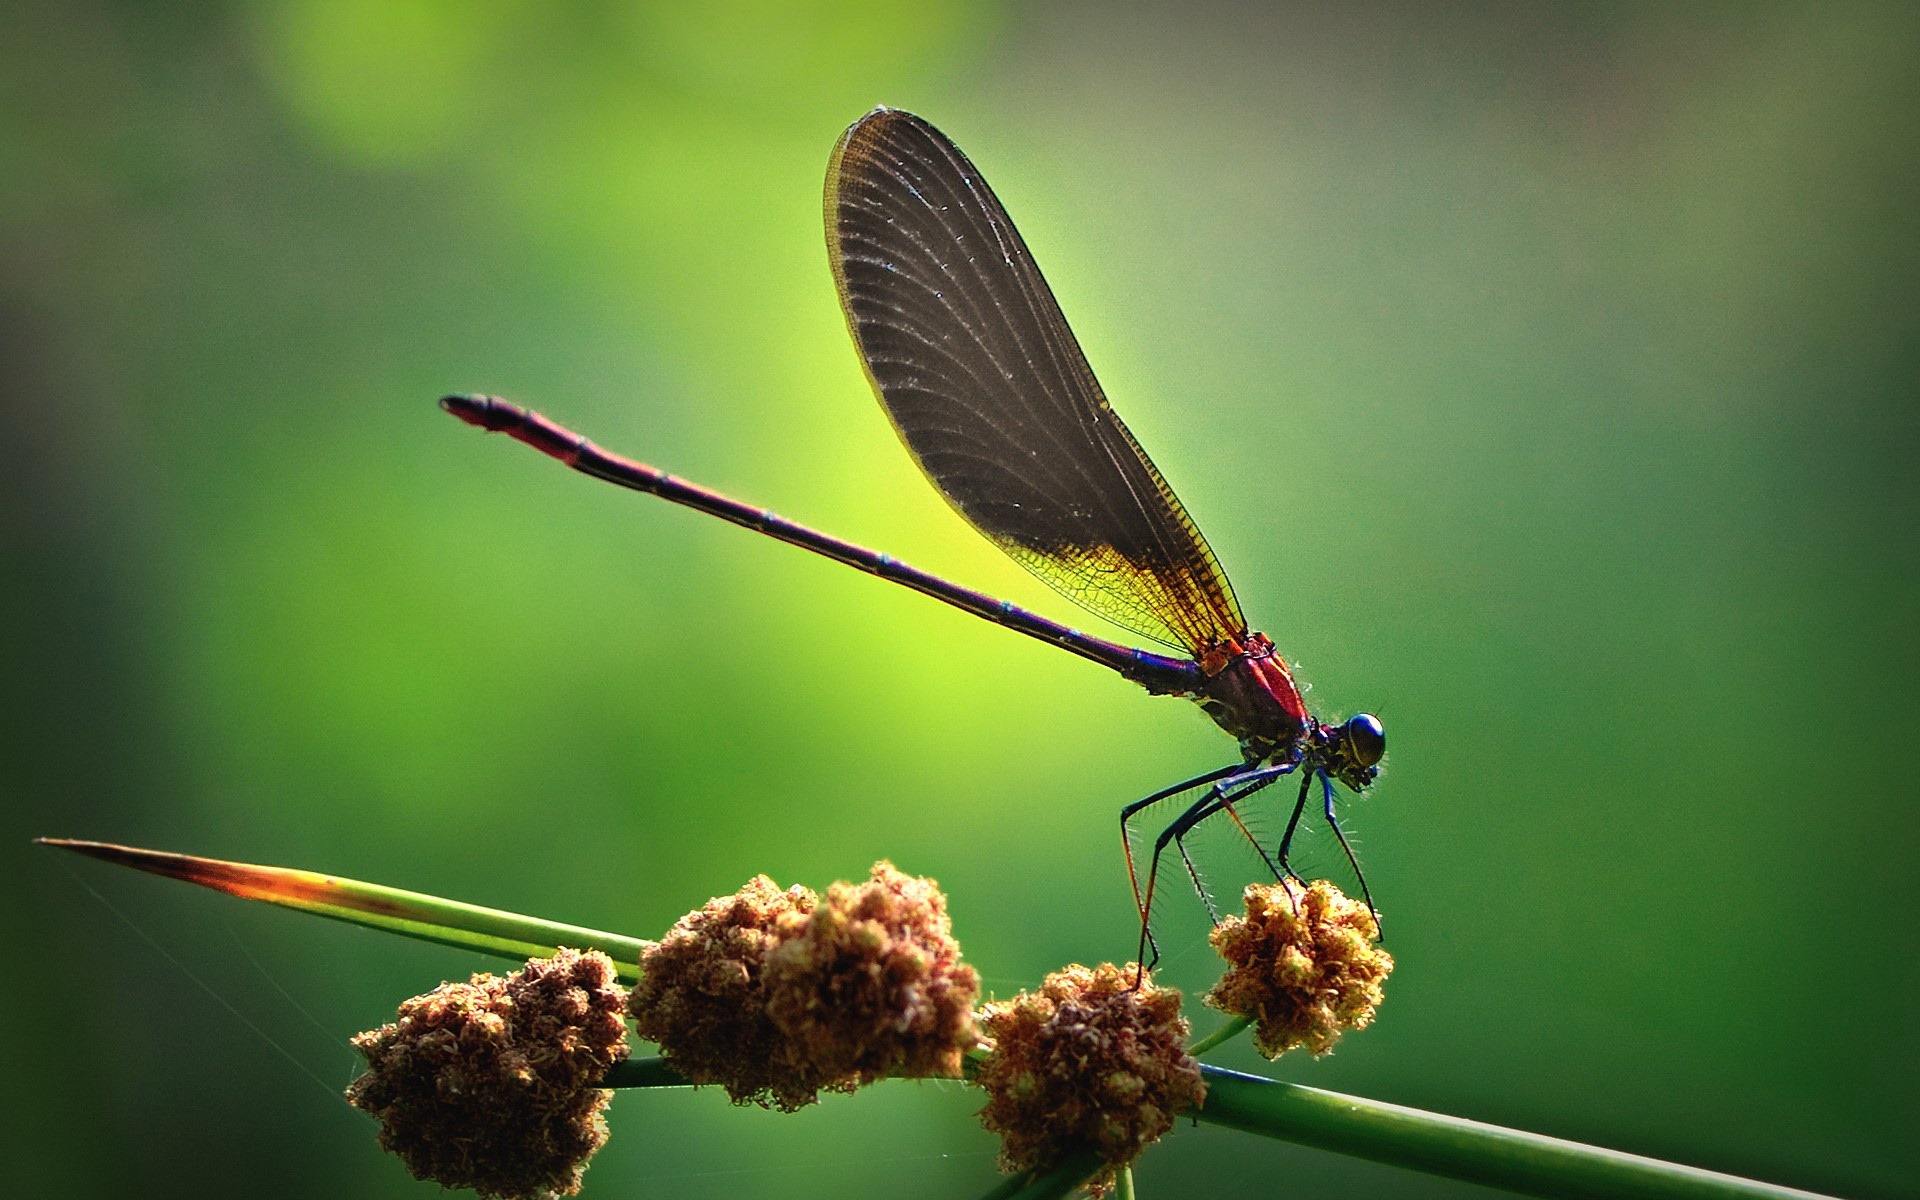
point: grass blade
(410, 914)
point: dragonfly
(974, 364)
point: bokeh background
(1544, 374)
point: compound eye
(1366, 739)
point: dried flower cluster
(493, 1084)
(871, 983)
(1090, 1061)
(778, 996)
(1303, 964)
(700, 996)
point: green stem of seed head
(1528, 1163)
(1225, 1033)
(970, 1062)
(1123, 1186)
(1056, 1183)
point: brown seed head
(1303, 964)
(870, 983)
(490, 1084)
(701, 998)
(1087, 1062)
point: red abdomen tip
(484, 411)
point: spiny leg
(1126, 842)
(1326, 788)
(1226, 795)
(1231, 811)
(1247, 785)
(1220, 796)
(1204, 806)
(1293, 823)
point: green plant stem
(1454, 1147)
(1458, 1148)
(1224, 1033)
(1052, 1184)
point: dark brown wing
(974, 363)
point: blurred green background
(1544, 374)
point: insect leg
(1326, 788)
(1228, 786)
(1126, 841)
(1224, 795)
(1293, 823)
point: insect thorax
(1254, 699)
